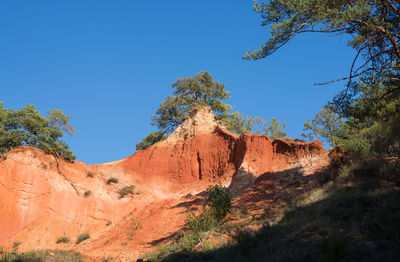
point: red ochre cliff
(43, 198)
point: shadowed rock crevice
(199, 163)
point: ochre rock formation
(43, 198)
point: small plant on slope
(87, 193)
(63, 239)
(112, 180)
(198, 224)
(126, 190)
(219, 198)
(135, 224)
(82, 237)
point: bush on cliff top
(26, 127)
(201, 90)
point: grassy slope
(40, 256)
(355, 218)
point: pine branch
(346, 78)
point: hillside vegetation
(352, 216)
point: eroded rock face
(202, 151)
(41, 200)
(201, 121)
(203, 158)
(296, 148)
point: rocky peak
(201, 121)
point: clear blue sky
(109, 64)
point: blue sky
(109, 64)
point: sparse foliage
(274, 129)
(372, 27)
(150, 139)
(126, 190)
(326, 126)
(82, 237)
(61, 121)
(63, 239)
(16, 245)
(40, 256)
(239, 124)
(365, 116)
(135, 224)
(203, 222)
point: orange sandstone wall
(38, 204)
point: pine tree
(26, 127)
(369, 104)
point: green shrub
(82, 237)
(63, 239)
(203, 222)
(26, 127)
(112, 180)
(219, 198)
(356, 144)
(126, 190)
(90, 174)
(150, 139)
(196, 225)
(87, 193)
(40, 256)
(219, 202)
